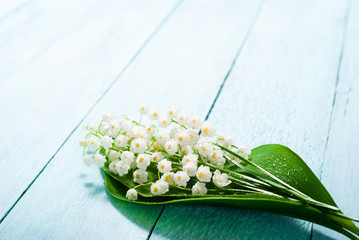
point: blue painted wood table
(270, 71)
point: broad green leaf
(289, 167)
(276, 159)
(261, 202)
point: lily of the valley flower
(220, 179)
(164, 166)
(113, 155)
(204, 174)
(164, 121)
(182, 118)
(140, 176)
(160, 187)
(138, 145)
(171, 147)
(100, 160)
(181, 178)
(153, 114)
(162, 137)
(189, 158)
(208, 129)
(88, 160)
(194, 122)
(143, 109)
(107, 116)
(92, 144)
(132, 194)
(168, 177)
(106, 142)
(121, 141)
(112, 166)
(173, 111)
(83, 142)
(157, 156)
(122, 168)
(199, 189)
(244, 151)
(143, 161)
(127, 157)
(190, 168)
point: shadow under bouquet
(179, 159)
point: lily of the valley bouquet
(178, 159)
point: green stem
(95, 134)
(143, 184)
(99, 126)
(215, 190)
(343, 216)
(119, 132)
(96, 151)
(174, 121)
(83, 152)
(106, 131)
(237, 174)
(231, 190)
(288, 188)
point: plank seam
(345, 24)
(157, 29)
(340, 60)
(251, 26)
(248, 33)
(154, 225)
(337, 80)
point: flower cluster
(182, 151)
(175, 157)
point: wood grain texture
(54, 69)
(280, 91)
(184, 64)
(8, 8)
(341, 157)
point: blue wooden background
(265, 71)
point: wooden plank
(341, 164)
(48, 83)
(42, 25)
(11, 7)
(184, 64)
(280, 91)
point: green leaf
(290, 168)
(277, 160)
